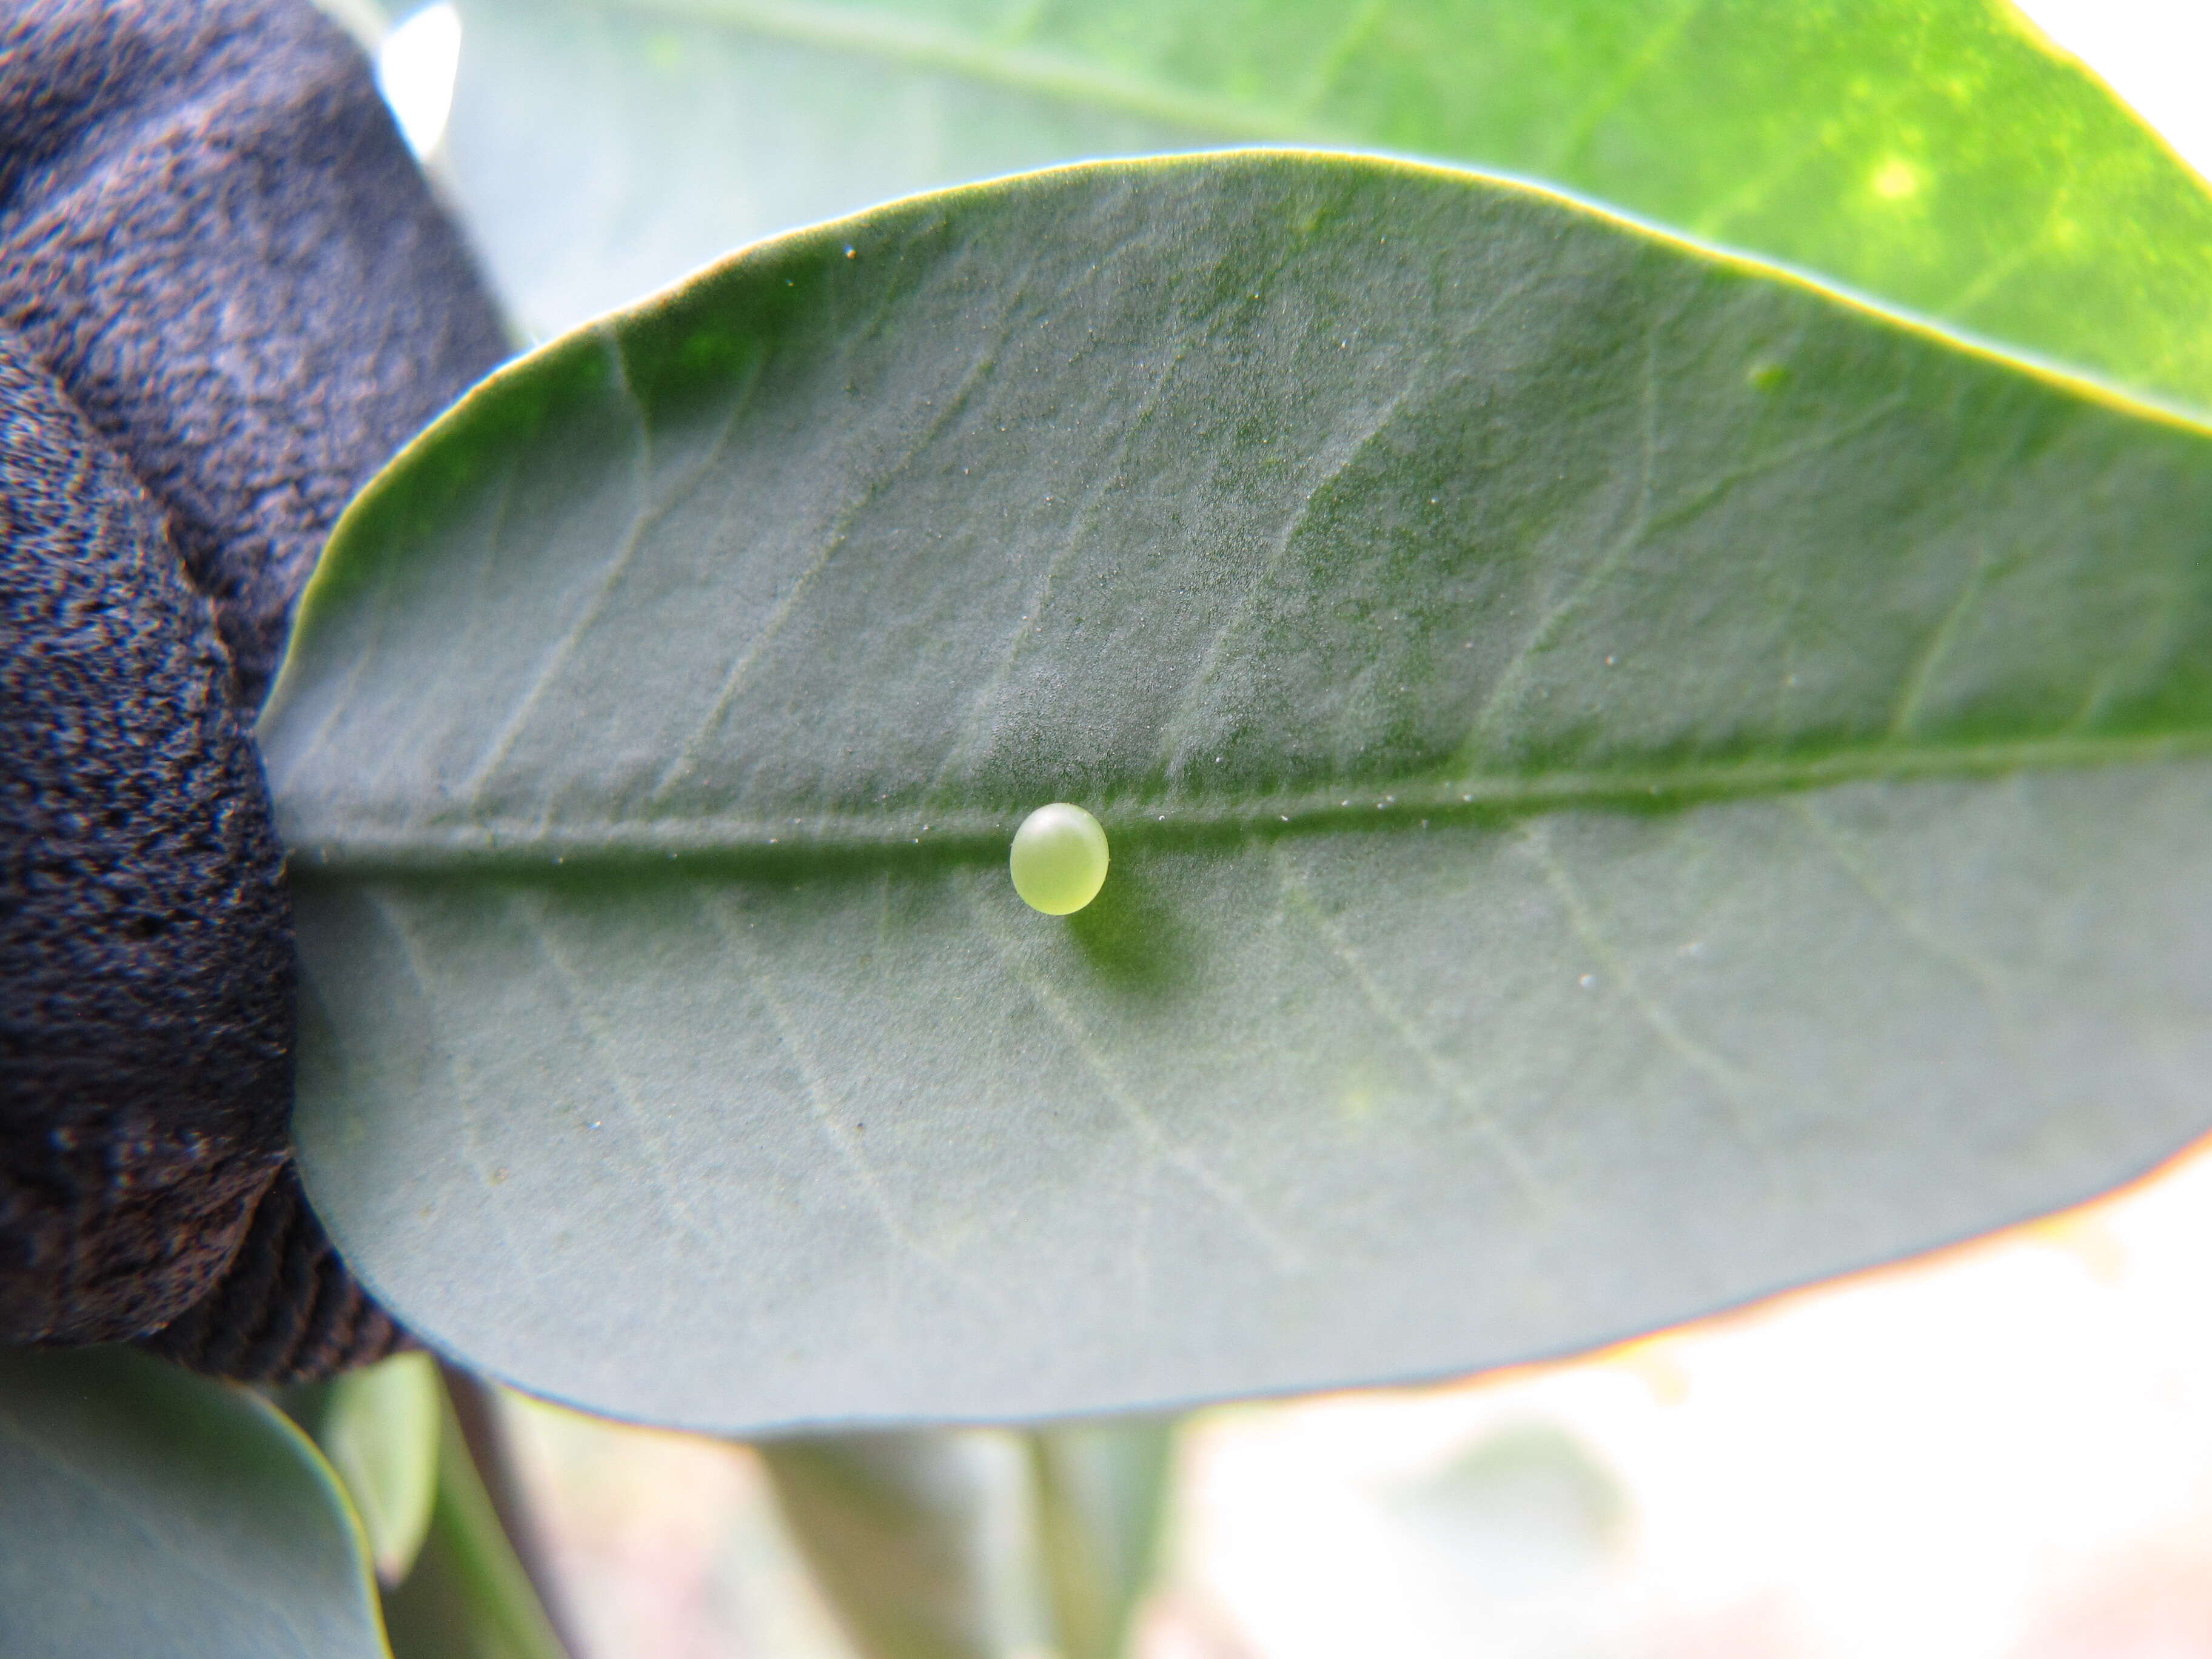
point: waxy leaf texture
(1633, 783)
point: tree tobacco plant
(1628, 584)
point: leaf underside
(1632, 783)
(145, 1511)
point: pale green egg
(1059, 860)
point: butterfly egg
(1059, 858)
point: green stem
(470, 1596)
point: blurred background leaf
(380, 1429)
(1938, 155)
(924, 1540)
(1524, 1508)
(980, 1543)
(1102, 1492)
(469, 1595)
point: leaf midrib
(955, 830)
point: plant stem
(471, 1595)
(476, 1409)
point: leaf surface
(149, 1512)
(1942, 156)
(1632, 783)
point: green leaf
(1100, 1499)
(979, 1544)
(924, 1542)
(1632, 784)
(379, 1427)
(147, 1511)
(1526, 1508)
(1940, 155)
(468, 1596)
